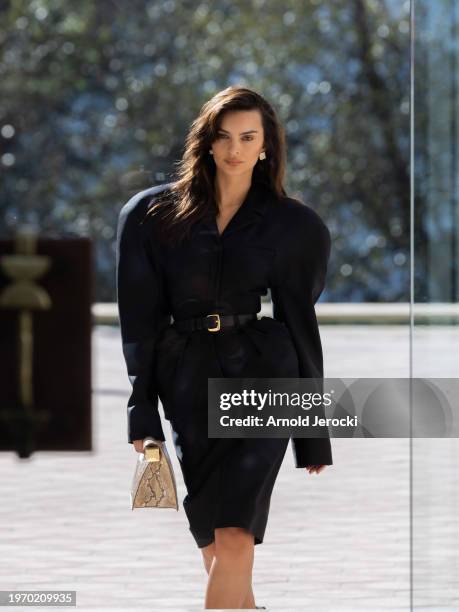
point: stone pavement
(334, 541)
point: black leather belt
(214, 322)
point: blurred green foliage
(97, 97)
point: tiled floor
(335, 541)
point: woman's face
(240, 138)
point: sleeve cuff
(311, 451)
(143, 421)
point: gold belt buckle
(214, 329)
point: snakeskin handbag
(153, 485)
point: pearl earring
(262, 155)
(211, 152)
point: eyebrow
(247, 132)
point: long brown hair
(192, 194)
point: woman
(203, 249)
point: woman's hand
(315, 468)
(138, 445)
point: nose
(233, 150)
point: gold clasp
(214, 329)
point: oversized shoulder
(299, 219)
(302, 244)
(135, 209)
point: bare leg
(230, 573)
(208, 554)
(249, 600)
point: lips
(233, 163)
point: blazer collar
(257, 201)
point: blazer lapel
(256, 203)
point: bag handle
(149, 441)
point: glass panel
(435, 291)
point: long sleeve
(300, 272)
(142, 314)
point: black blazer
(281, 244)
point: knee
(233, 542)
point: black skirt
(229, 481)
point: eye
(248, 137)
